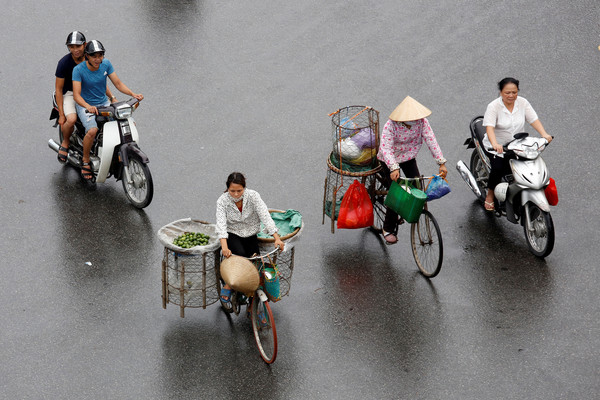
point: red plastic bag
(356, 210)
(551, 193)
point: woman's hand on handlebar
(224, 249)
(498, 147)
(138, 96)
(279, 244)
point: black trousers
(500, 167)
(410, 170)
(243, 246)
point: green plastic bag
(406, 201)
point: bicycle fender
(263, 297)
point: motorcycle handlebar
(505, 147)
(132, 102)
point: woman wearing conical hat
(401, 139)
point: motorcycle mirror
(521, 135)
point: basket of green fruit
(190, 258)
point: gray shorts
(88, 119)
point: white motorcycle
(524, 196)
(115, 151)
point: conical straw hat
(240, 274)
(409, 110)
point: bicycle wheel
(377, 192)
(265, 333)
(427, 245)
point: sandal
(489, 206)
(389, 237)
(226, 295)
(62, 158)
(86, 171)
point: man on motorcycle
(89, 84)
(67, 114)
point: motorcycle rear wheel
(140, 189)
(539, 231)
(480, 174)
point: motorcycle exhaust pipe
(468, 177)
(55, 146)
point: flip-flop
(489, 206)
(226, 295)
(62, 158)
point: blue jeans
(87, 119)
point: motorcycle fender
(510, 212)
(128, 149)
(537, 197)
(110, 139)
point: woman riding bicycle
(239, 214)
(401, 140)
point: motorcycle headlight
(528, 153)
(123, 111)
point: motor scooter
(523, 197)
(115, 151)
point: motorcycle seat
(477, 129)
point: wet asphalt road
(246, 86)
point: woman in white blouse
(504, 117)
(239, 214)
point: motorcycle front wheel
(138, 188)
(477, 167)
(539, 230)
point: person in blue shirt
(89, 92)
(63, 90)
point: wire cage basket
(189, 276)
(355, 138)
(284, 259)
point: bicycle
(425, 235)
(265, 332)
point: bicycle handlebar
(263, 255)
(417, 178)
